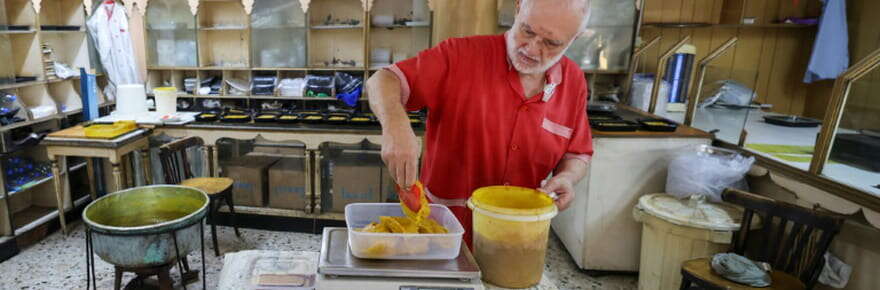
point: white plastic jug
(166, 100)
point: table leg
(148, 169)
(59, 188)
(117, 175)
(90, 170)
(127, 176)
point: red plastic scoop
(413, 197)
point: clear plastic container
(401, 246)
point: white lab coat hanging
(108, 27)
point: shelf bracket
(248, 6)
(193, 7)
(305, 5)
(36, 5)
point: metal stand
(181, 263)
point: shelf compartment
(224, 48)
(33, 207)
(7, 72)
(401, 12)
(220, 15)
(343, 46)
(37, 102)
(66, 94)
(393, 45)
(242, 78)
(27, 60)
(171, 34)
(340, 13)
(70, 49)
(20, 13)
(62, 13)
(204, 75)
(159, 78)
(279, 35)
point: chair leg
(212, 210)
(229, 203)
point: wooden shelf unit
(277, 39)
(21, 52)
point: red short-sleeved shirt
(481, 129)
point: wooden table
(115, 150)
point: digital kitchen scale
(339, 270)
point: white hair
(584, 6)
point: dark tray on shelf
(658, 125)
(60, 27)
(615, 126)
(791, 121)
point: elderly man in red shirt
(502, 110)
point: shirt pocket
(557, 129)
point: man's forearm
(572, 168)
(383, 90)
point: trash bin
(676, 230)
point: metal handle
(634, 63)
(704, 64)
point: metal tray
(336, 260)
(791, 121)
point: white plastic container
(166, 100)
(401, 246)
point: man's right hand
(400, 151)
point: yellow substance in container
(360, 119)
(289, 117)
(413, 223)
(336, 119)
(266, 117)
(235, 116)
(656, 124)
(208, 115)
(312, 118)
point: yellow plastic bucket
(511, 225)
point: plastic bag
(706, 170)
(730, 92)
(835, 273)
(740, 269)
(640, 93)
(292, 87)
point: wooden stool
(175, 166)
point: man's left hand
(563, 186)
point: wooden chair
(176, 168)
(793, 241)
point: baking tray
(791, 121)
(599, 108)
(267, 117)
(658, 125)
(337, 118)
(615, 126)
(604, 117)
(204, 117)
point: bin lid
(694, 212)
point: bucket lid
(513, 203)
(693, 212)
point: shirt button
(514, 147)
(506, 183)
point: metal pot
(138, 227)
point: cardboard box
(250, 174)
(287, 184)
(354, 177)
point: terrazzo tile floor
(58, 262)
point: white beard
(512, 55)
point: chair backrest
(175, 164)
(793, 239)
